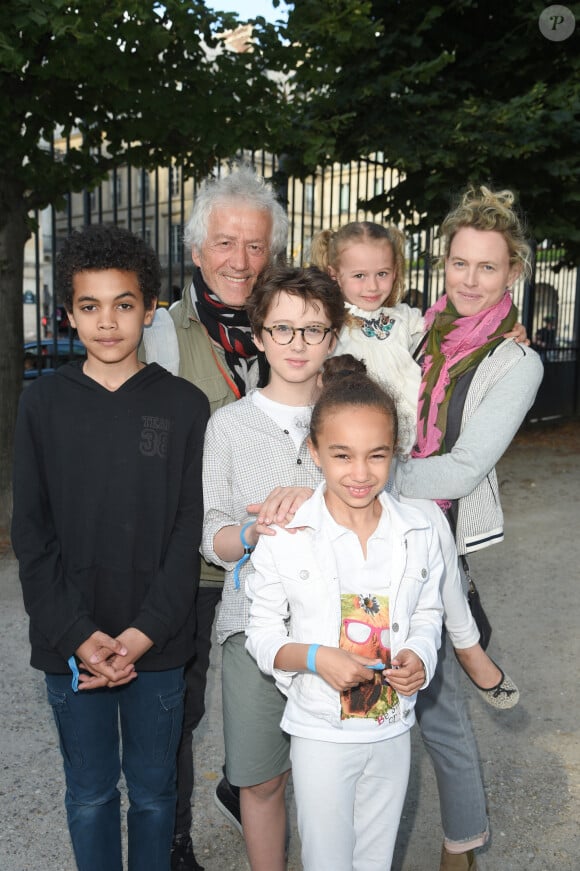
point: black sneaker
(182, 858)
(227, 799)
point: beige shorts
(257, 749)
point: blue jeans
(151, 713)
(448, 737)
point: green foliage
(141, 80)
(140, 73)
(452, 93)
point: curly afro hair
(100, 247)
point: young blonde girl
(367, 261)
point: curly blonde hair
(327, 246)
(484, 209)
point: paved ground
(530, 756)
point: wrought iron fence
(157, 205)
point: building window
(116, 190)
(309, 196)
(174, 181)
(143, 187)
(344, 198)
(175, 242)
(145, 233)
(67, 202)
(379, 186)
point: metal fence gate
(157, 204)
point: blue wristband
(311, 658)
(248, 548)
(72, 664)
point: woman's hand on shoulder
(518, 334)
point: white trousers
(349, 800)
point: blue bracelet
(311, 658)
(248, 548)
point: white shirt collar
(314, 514)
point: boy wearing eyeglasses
(252, 447)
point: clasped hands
(110, 662)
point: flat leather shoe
(457, 861)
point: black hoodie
(108, 512)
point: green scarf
(455, 345)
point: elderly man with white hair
(237, 228)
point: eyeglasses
(283, 334)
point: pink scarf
(455, 345)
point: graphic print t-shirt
(365, 625)
(365, 630)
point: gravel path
(530, 756)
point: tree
(137, 77)
(452, 93)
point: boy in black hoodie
(107, 523)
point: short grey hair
(242, 185)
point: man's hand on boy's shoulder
(110, 668)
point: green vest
(198, 363)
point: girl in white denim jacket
(346, 614)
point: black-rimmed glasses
(283, 334)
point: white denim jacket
(296, 574)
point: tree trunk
(14, 232)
